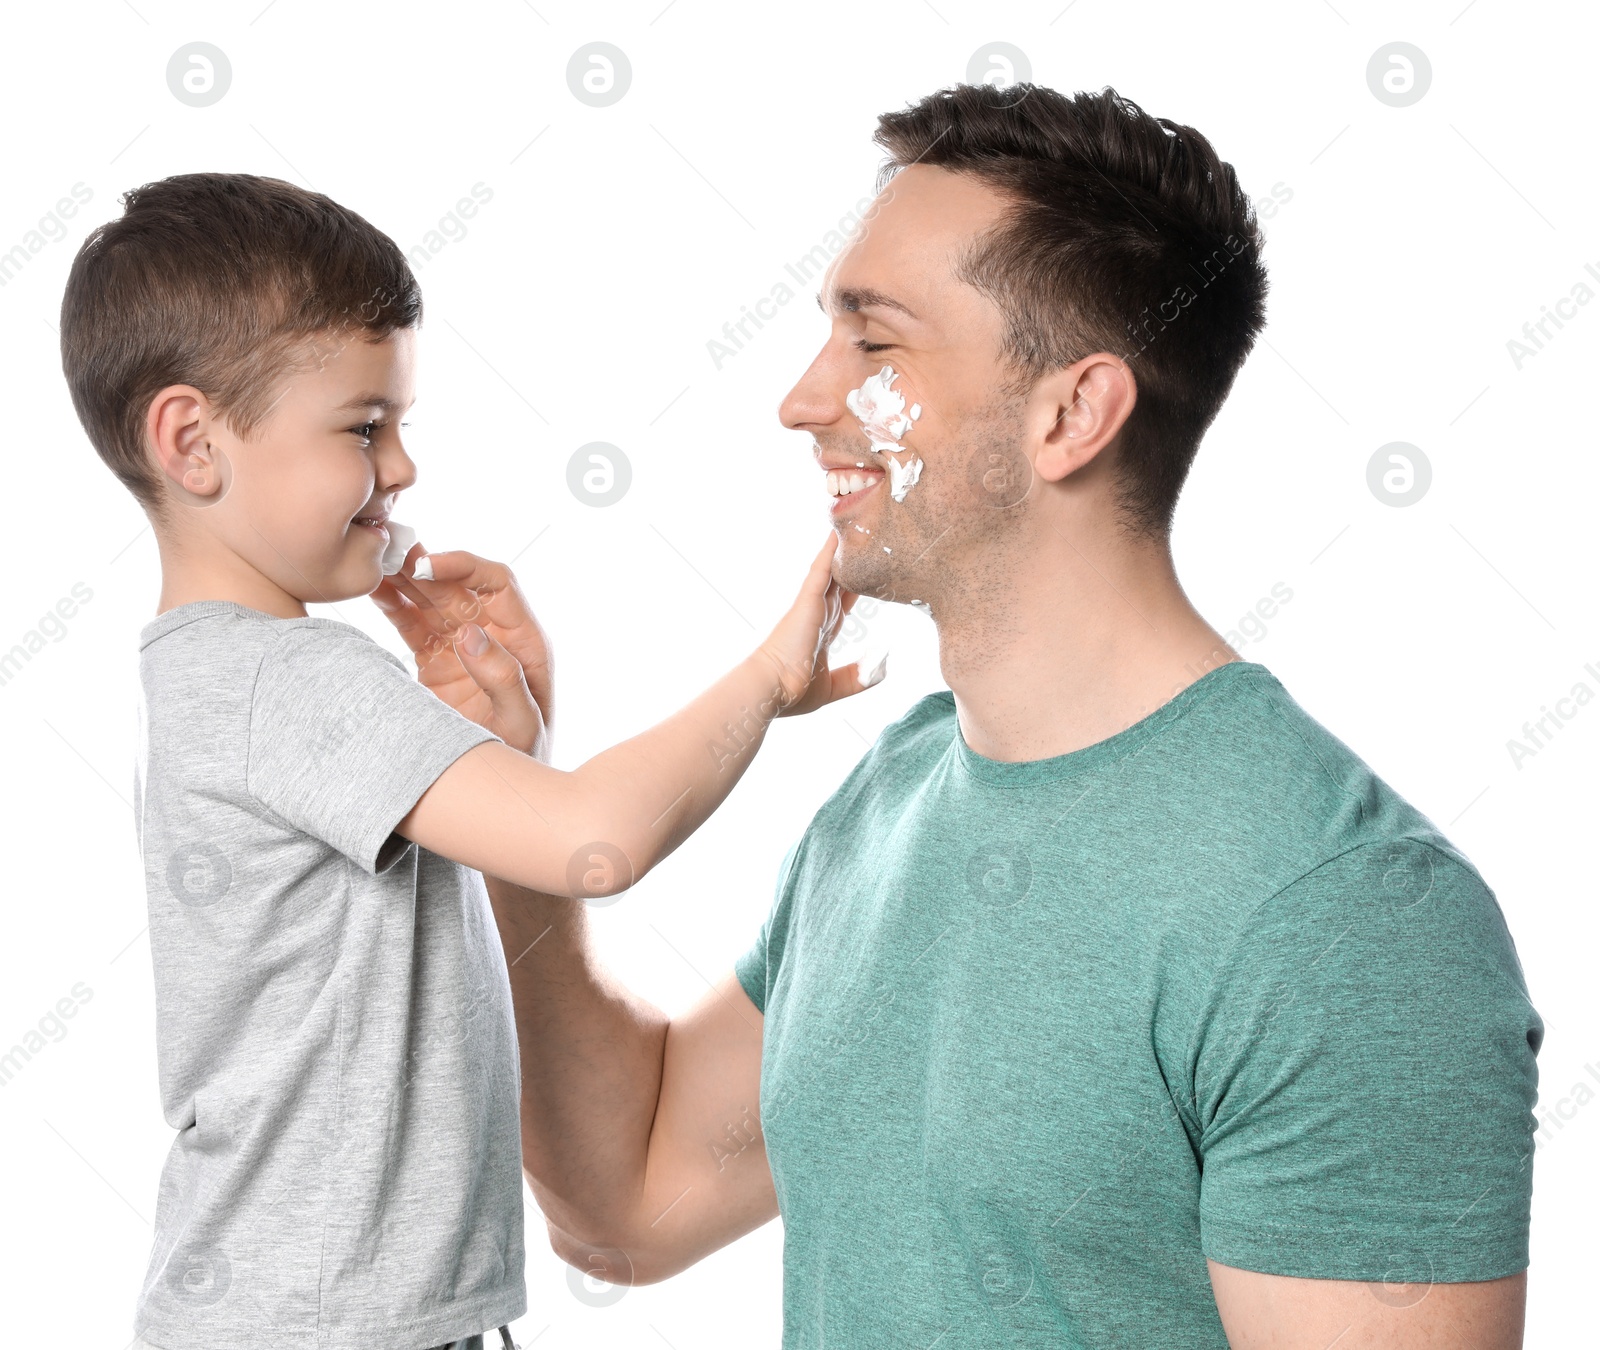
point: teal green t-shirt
(1042, 1037)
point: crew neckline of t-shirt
(1020, 773)
(195, 610)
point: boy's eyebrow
(378, 401)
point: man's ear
(1080, 409)
(179, 425)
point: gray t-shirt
(335, 1039)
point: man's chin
(862, 566)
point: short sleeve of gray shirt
(343, 741)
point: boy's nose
(398, 470)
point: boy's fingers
(820, 573)
(851, 679)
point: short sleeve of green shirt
(1364, 1078)
(751, 968)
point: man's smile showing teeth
(844, 484)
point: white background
(577, 307)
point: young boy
(336, 1046)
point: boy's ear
(179, 424)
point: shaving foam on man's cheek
(401, 538)
(884, 419)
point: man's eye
(862, 345)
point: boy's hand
(477, 644)
(798, 646)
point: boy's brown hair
(218, 280)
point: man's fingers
(407, 619)
(495, 671)
(467, 569)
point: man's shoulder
(1285, 802)
(905, 751)
(922, 733)
(1258, 764)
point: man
(1111, 1000)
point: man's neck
(1072, 648)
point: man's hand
(477, 644)
(798, 647)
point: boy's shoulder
(230, 624)
(237, 646)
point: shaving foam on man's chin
(401, 538)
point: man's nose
(817, 399)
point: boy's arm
(597, 829)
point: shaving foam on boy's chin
(401, 538)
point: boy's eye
(862, 345)
(366, 429)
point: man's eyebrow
(378, 401)
(864, 297)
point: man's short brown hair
(218, 280)
(1127, 234)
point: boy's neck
(199, 568)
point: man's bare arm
(1277, 1312)
(641, 1135)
